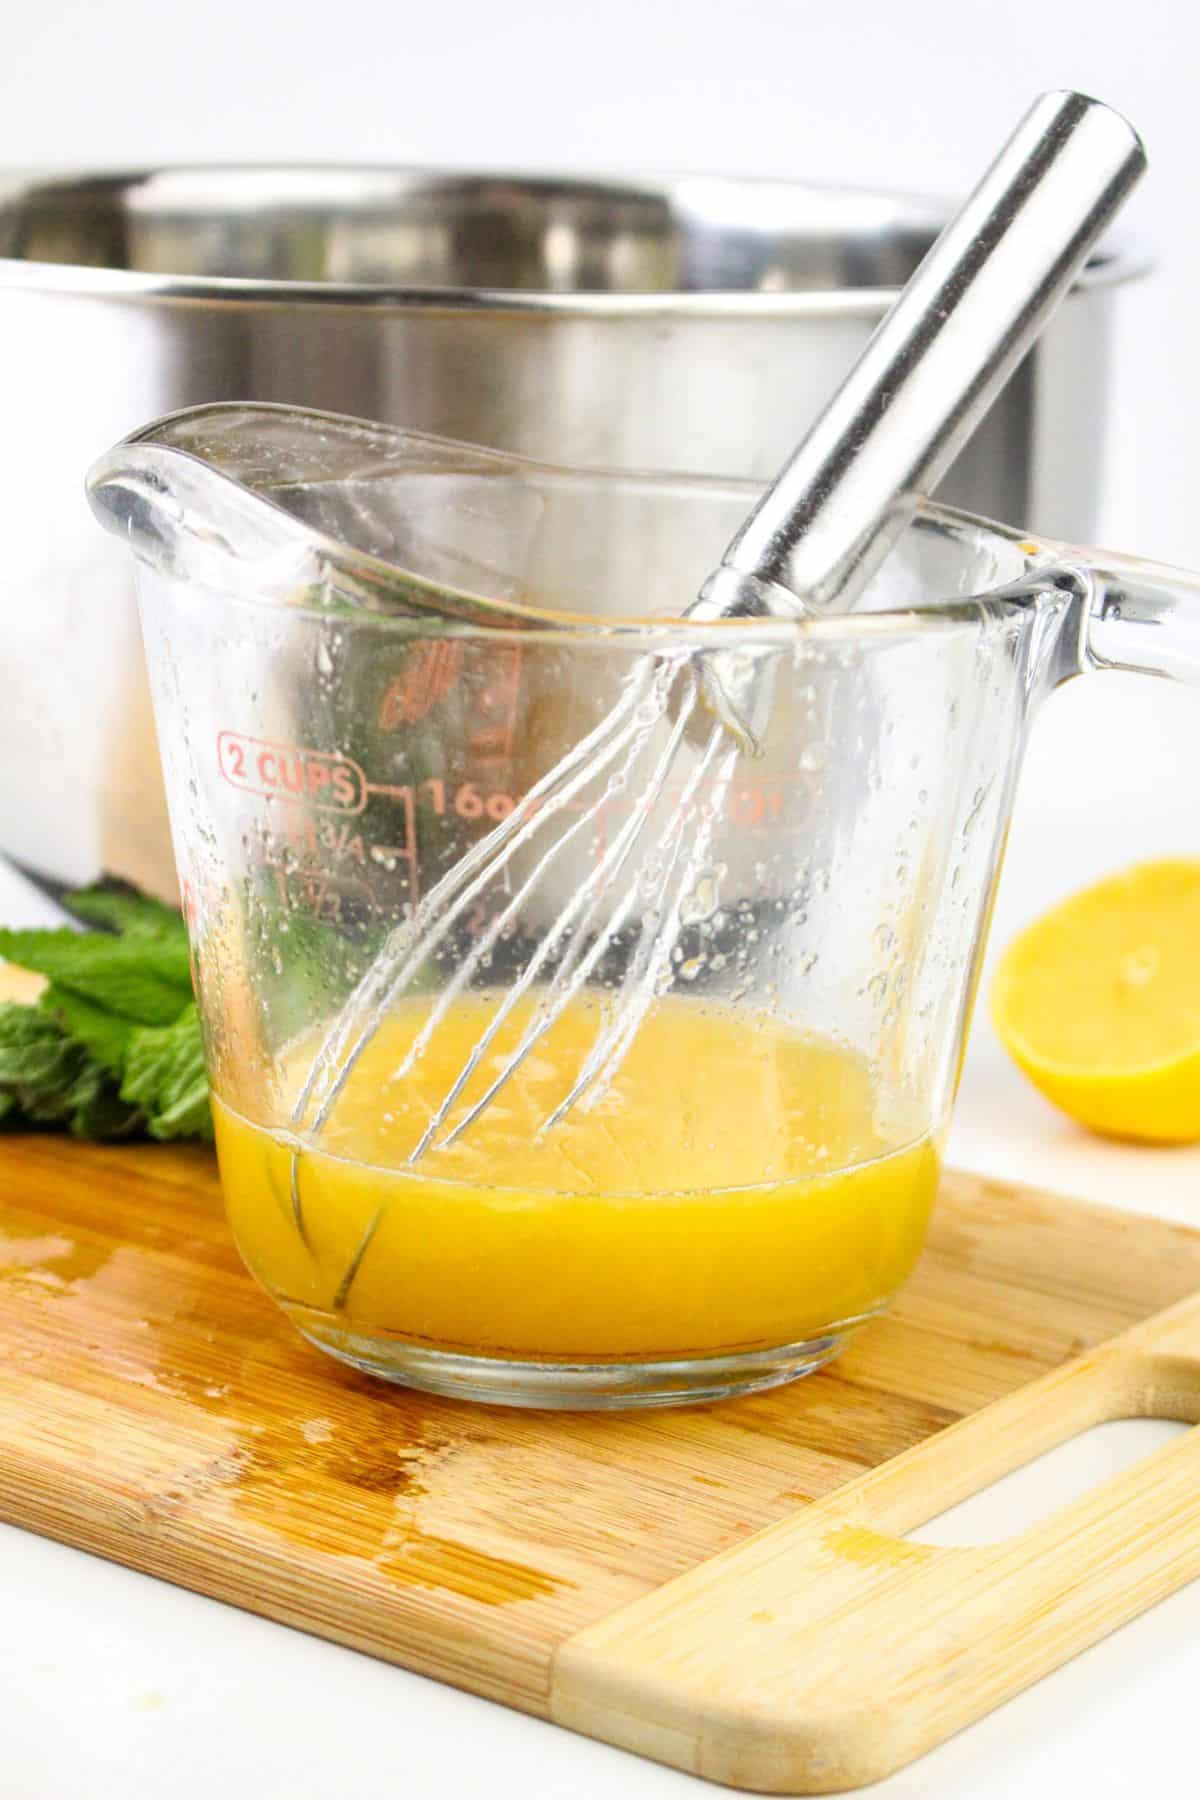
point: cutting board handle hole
(1038, 1489)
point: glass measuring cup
(366, 649)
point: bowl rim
(1117, 260)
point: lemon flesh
(1098, 1002)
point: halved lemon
(1099, 1002)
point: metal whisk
(925, 380)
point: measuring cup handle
(1143, 616)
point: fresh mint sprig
(112, 1048)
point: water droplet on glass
(701, 903)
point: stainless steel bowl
(690, 324)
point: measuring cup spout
(304, 508)
(194, 520)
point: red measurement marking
(321, 863)
(750, 806)
(749, 809)
(322, 840)
(491, 741)
(321, 894)
(467, 800)
(286, 772)
(407, 851)
(430, 671)
(405, 796)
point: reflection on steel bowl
(694, 324)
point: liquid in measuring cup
(731, 1192)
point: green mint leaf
(113, 1045)
(165, 1077)
(105, 1035)
(126, 912)
(46, 1078)
(38, 1061)
(144, 979)
(96, 1109)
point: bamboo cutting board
(726, 1588)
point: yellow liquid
(733, 1190)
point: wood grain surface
(828, 1651)
(156, 1408)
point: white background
(112, 1685)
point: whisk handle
(939, 358)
